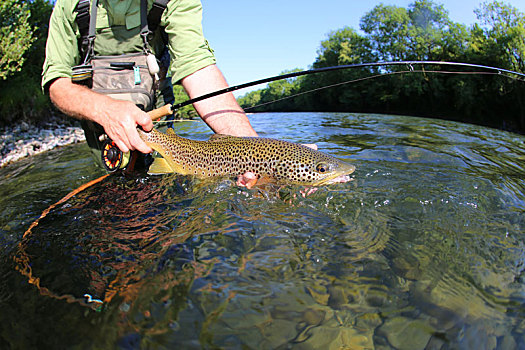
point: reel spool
(112, 157)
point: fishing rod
(342, 67)
(375, 76)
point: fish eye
(321, 168)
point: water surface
(423, 250)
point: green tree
(502, 34)
(273, 92)
(186, 112)
(279, 89)
(20, 93)
(250, 99)
(16, 36)
(387, 27)
(422, 31)
(343, 47)
(499, 40)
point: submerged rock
(404, 333)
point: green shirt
(118, 28)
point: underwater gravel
(24, 140)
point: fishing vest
(150, 21)
(131, 76)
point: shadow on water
(424, 249)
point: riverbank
(24, 140)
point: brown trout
(275, 161)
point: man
(118, 22)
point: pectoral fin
(160, 166)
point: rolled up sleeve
(189, 49)
(61, 47)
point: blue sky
(257, 39)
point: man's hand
(118, 118)
(247, 180)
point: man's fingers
(145, 122)
(140, 145)
(121, 146)
(247, 180)
(135, 141)
(121, 127)
(131, 141)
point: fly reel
(112, 157)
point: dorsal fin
(221, 137)
(170, 131)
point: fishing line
(23, 263)
(343, 67)
(173, 121)
(380, 75)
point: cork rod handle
(160, 112)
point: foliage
(423, 31)
(16, 36)
(274, 91)
(20, 93)
(502, 34)
(186, 112)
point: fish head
(311, 167)
(331, 171)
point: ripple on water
(423, 249)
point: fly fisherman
(108, 69)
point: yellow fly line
(22, 259)
(23, 264)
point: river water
(422, 250)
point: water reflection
(424, 249)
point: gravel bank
(25, 140)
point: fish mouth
(341, 176)
(338, 179)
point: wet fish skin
(275, 160)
